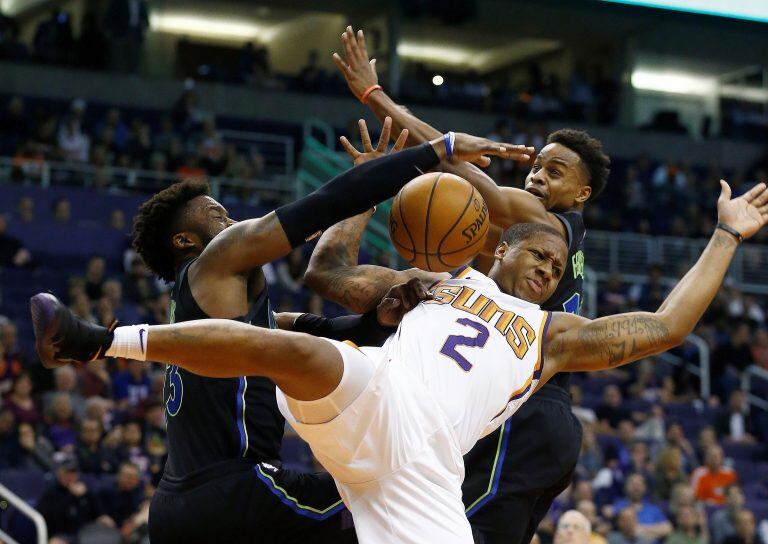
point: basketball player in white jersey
(391, 424)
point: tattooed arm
(579, 344)
(334, 274)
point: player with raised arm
(514, 474)
(225, 434)
(391, 424)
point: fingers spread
(400, 142)
(384, 137)
(341, 64)
(349, 148)
(364, 136)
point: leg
(302, 366)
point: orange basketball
(438, 222)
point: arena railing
(48, 173)
(10, 498)
(629, 255)
(751, 373)
(278, 151)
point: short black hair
(590, 150)
(523, 231)
(156, 218)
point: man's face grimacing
(558, 178)
(532, 267)
(202, 220)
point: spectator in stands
(34, 452)
(591, 456)
(707, 439)
(710, 480)
(75, 146)
(584, 414)
(123, 501)
(572, 528)
(668, 472)
(312, 77)
(61, 423)
(131, 386)
(746, 530)
(98, 408)
(724, 520)
(94, 277)
(117, 220)
(65, 380)
(155, 438)
(290, 272)
(737, 424)
(650, 294)
(94, 379)
(675, 437)
(139, 287)
(652, 524)
(53, 41)
(14, 125)
(69, 504)
(690, 527)
(92, 457)
(654, 427)
(682, 495)
(730, 359)
(611, 411)
(15, 358)
(20, 400)
(599, 527)
(13, 254)
(139, 146)
(211, 149)
(125, 313)
(627, 531)
(10, 369)
(25, 210)
(132, 445)
(8, 443)
(61, 211)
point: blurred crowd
(184, 141)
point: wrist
(439, 145)
(735, 234)
(368, 91)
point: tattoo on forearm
(622, 339)
(355, 290)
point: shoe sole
(45, 322)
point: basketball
(438, 222)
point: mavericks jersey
(477, 350)
(211, 420)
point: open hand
(477, 150)
(369, 153)
(747, 213)
(358, 70)
(401, 298)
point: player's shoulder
(573, 221)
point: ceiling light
(437, 80)
(208, 27)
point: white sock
(130, 342)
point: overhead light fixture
(209, 27)
(673, 82)
(437, 80)
(450, 55)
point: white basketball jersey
(477, 350)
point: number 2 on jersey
(455, 340)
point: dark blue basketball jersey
(568, 296)
(211, 420)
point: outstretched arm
(333, 271)
(249, 244)
(506, 206)
(579, 344)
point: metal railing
(629, 255)
(47, 173)
(278, 151)
(20, 504)
(752, 372)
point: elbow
(313, 277)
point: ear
(585, 191)
(501, 250)
(183, 241)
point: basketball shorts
(393, 455)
